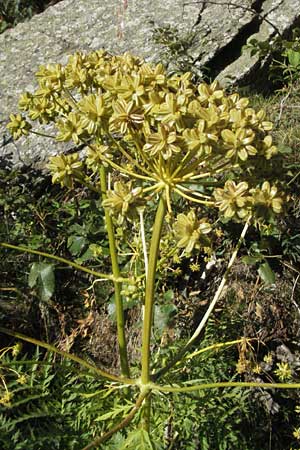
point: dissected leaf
(138, 440)
(119, 409)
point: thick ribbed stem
(150, 289)
(117, 285)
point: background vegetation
(15, 11)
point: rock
(219, 29)
(280, 15)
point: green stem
(117, 285)
(75, 358)
(146, 414)
(224, 384)
(105, 276)
(150, 289)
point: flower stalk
(117, 285)
(150, 289)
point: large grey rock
(220, 29)
(282, 16)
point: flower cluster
(123, 200)
(238, 201)
(164, 132)
(191, 232)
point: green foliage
(285, 54)
(15, 11)
(49, 410)
(62, 407)
(139, 440)
(175, 50)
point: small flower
(172, 110)
(210, 93)
(243, 365)
(18, 126)
(132, 88)
(283, 371)
(219, 232)
(51, 75)
(238, 143)
(5, 400)
(268, 359)
(41, 109)
(126, 116)
(268, 149)
(266, 201)
(194, 267)
(96, 250)
(123, 200)
(25, 101)
(96, 156)
(197, 140)
(176, 259)
(177, 272)
(64, 168)
(256, 369)
(22, 379)
(296, 433)
(70, 128)
(256, 119)
(164, 142)
(190, 232)
(233, 199)
(94, 112)
(16, 349)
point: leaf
(42, 276)
(111, 309)
(87, 255)
(138, 440)
(284, 149)
(250, 260)
(169, 295)
(76, 244)
(294, 58)
(33, 275)
(119, 409)
(266, 273)
(163, 315)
